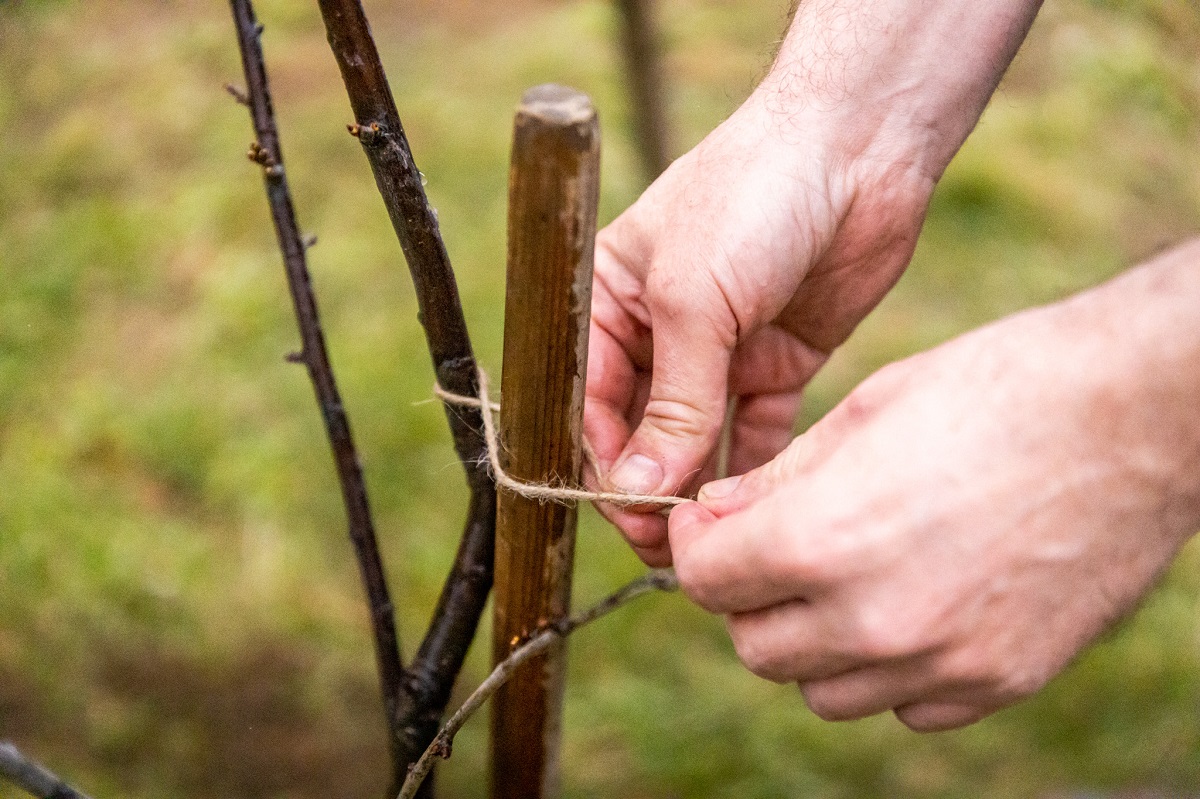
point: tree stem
(266, 151)
(430, 678)
(32, 777)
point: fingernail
(637, 475)
(719, 489)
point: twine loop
(542, 492)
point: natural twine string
(542, 492)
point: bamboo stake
(553, 192)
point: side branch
(377, 126)
(32, 777)
(266, 152)
(658, 580)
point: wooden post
(553, 192)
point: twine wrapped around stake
(542, 492)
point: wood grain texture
(553, 192)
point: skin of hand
(758, 252)
(951, 535)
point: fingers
(769, 369)
(762, 428)
(657, 383)
(682, 419)
(907, 688)
(867, 690)
(788, 642)
(939, 716)
(619, 355)
(804, 642)
(744, 561)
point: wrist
(891, 79)
(1138, 338)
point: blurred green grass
(179, 612)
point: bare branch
(377, 126)
(658, 580)
(641, 47)
(32, 777)
(266, 152)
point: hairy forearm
(910, 76)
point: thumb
(732, 494)
(685, 410)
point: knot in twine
(542, 492)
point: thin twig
(658, 580)
(266, 152)
(32, 777)
(377, 126)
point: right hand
(735, 275)
(758, 252)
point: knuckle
(871, 396)
(993, 676)
(1019, 683)
(671, 297)
(804, 563)
(880, 635)
(693, 579)
(860, 405)
(825, 704)
(682, 417)
(758, 652)
(692, 299)
(938, 718)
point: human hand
(966, 521)
(734, 275)
(757, 253)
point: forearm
(911, 76)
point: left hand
(966, 521)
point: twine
(542, 492)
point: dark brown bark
(643, 68)
(32, 777)
(430, 678)
(313, 354)
(553, 191)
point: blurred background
(179, 610)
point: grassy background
(179, 612)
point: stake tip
(557, 104)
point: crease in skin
(633, 369)
(765, 362)
(623, 305)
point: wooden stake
(553, 192)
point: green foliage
(179, 612)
